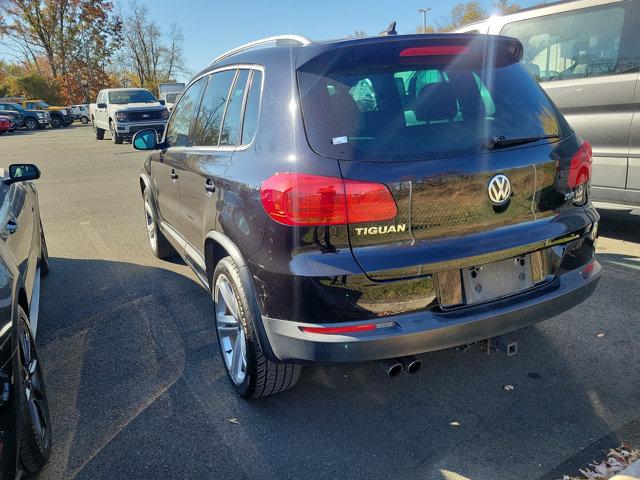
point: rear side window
(233, 116)
(183, 113)
(575, 44)
(214, 102)
(415, 108)
(252, 109)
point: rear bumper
(421, 332)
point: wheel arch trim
(215, 237)
(145, 183)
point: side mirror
(22, 172)
(162, 102)
(102, 105)
(145, 140)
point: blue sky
(212, 27)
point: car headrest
(580, 48)
(533, 69)
(436, 101)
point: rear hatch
(441, 121)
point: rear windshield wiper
(498, 141)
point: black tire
(44, 254)
(31, 124)
(262, 377)
(115, 138)
(161, 247)
(99, 132)
(35, 436)
(84, 120)
(56, 121)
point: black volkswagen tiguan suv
(370, 199)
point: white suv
(80, 112)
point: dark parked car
(25, 430)
(31, 119)
(450, 207)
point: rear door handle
(209, 186)
(173, 175)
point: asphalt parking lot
(137, 389)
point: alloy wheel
(151, 223)
(230, 331)
(33, 384)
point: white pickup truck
(125, 111)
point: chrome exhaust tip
(391, 367)
(410, 364)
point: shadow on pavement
(137, 390)
(621, 225)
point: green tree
(461, 14)
(504, 7)
(34, 85)
(357, 34)
(73, 37)
(17, 80)
(149, 55)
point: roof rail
(277, 39)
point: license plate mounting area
(488, 282)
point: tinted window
(233, 116)
(214, 101)
(576, 44)
(252, 110)
(184, 111)
(390, 108)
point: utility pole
(424, 11)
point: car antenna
(391, 30)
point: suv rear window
(407, 108)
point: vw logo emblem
(499, 190)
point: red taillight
(586, 271)
(309, 200)
(580, 167)
(340, 330)
(434, 50)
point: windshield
(131, 96)
(171, 97)
(398, 110)
(42, 104)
